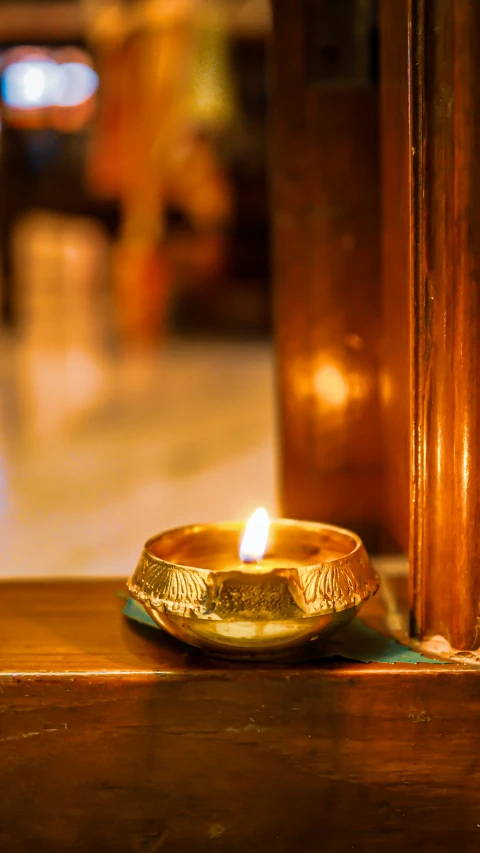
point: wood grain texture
(115, 738)
(431, 273)
(443, 95)
(327, 292)
(397, 266)
(447, 599)
(327, 305)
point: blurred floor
(89, 471)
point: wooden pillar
(326, 254)
(379, 397)
(397, 259)
(431, 279)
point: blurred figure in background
(133, 179)
(166, 93)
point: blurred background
(136, 360)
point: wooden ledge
(75, 628)
(110, 741)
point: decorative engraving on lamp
(334, 585)
(166, 586)
(324, 588)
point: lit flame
(254, 540)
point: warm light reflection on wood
(331, 385)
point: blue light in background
(30, 84)
(77, 83)
(38, 83)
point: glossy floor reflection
(97, 454)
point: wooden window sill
(111, 741)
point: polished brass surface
(312, 580)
